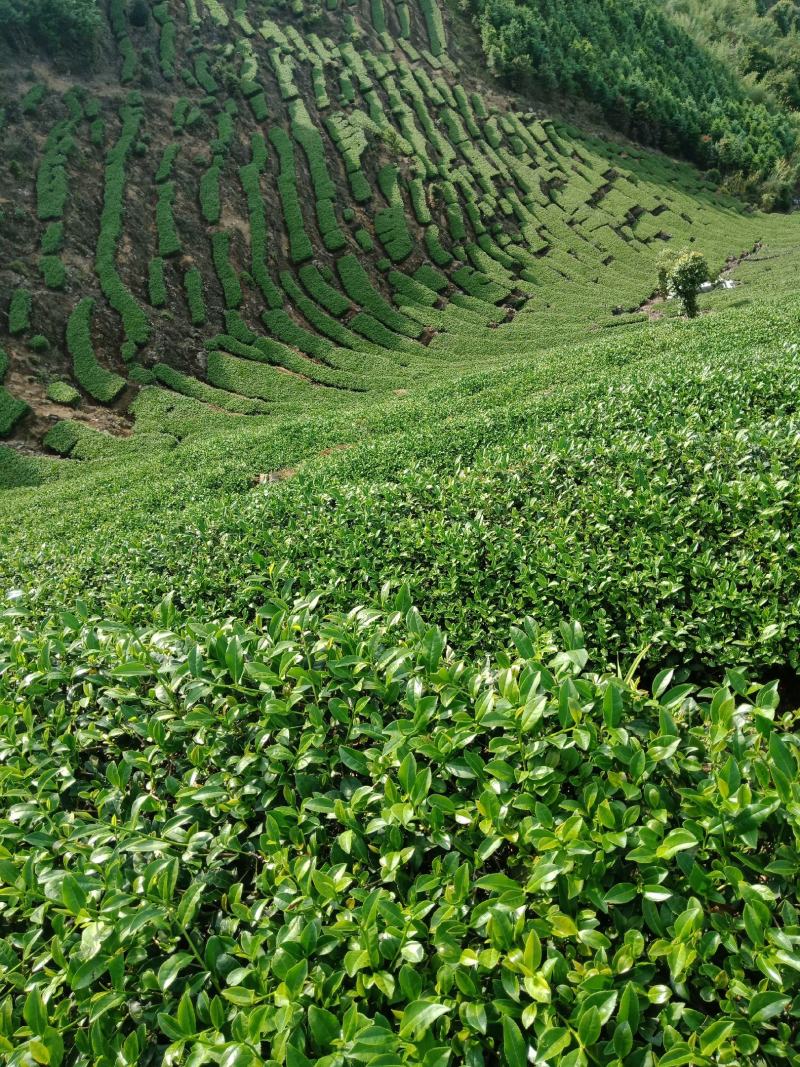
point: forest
(651, 79)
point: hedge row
(250, 177)
(169, 242)
(53, 239)
(166, 43)
(98, 382)
(300, 247)
(209, 193)
(228, 278)
(156, 284)
(165, 167)
(258, 105)
(436, 250)
(63, 393)
(322, 322)
(207, 394)
(19, 313)
(52, 186)
(134, 321)
(324, 294)
(193, 284)
(359, 288)
(475, 283)
(351, 142)
(204, 75)
(117, 16)
(53, 271)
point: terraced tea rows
(336, 209)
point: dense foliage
(356, 338)
(759, 38)
(649, 77)
(54, 23)
(327, 840)
(590, 482)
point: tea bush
(343, 843)
(63, 393)
(299, 241)
(98, 382)
(134, 320)
(11, 411)
(19, 312)
(193, 283)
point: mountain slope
(255, 214)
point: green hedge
(11, 411)
(193, 284)
(52, 187)
(189, 386)
(360, 289)
(169, 242)
(63, 393)
(250, 177)
(228, 279)
(209, 193)
(98, 382)
(134, 321)
(19, 312)
(325, 295)
(53, 271)
(165, 167)
(156, 285)
(53, 238)
(300, 247)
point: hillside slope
(263, 211)
(400, 603)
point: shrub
(39, 343)
(665, 261)
(53, 238)
(98, 382)
(63, 393)
(19, 314)
(53, 271)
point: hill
(398, 652)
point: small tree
(685, 277)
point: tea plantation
(400, 599)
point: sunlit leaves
(351, 845)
